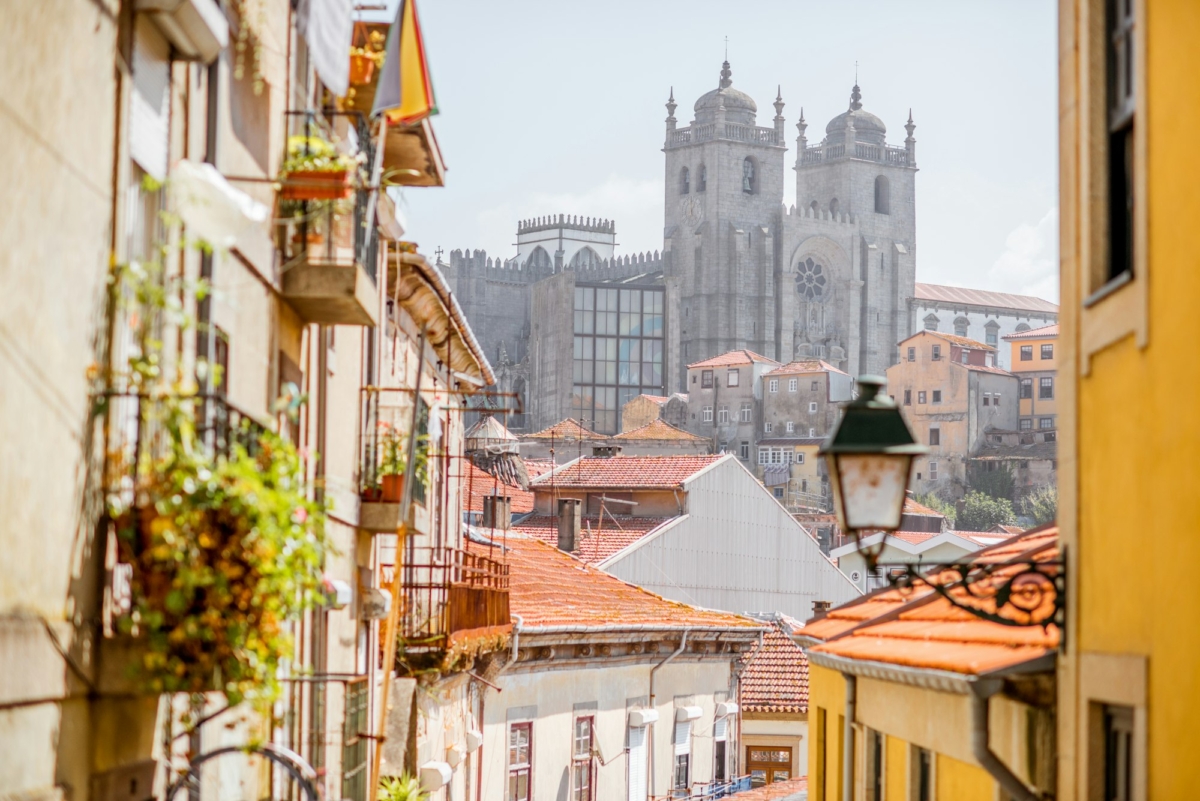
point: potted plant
(393, 451)
(401, 788)
(365, 59)
(314, 170)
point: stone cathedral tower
(830, 278)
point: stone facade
(979, 314)
(804, 399)
(829, 279)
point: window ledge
(1122, 280)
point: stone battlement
(477, 263)
(574, 222)
(807, 212)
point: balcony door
(768, 764)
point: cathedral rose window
(810, 280)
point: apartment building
(725, 401)
(951, 394)
(1034, 361)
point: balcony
(387, 419)
(861, 151)
(709, 791)
(448, 598)
(733, 131)
(327, 225)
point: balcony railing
(831, 151)
(330, 244)
(707, 791)
(730, 130)
(443, 592)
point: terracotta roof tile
(659, 430)
(548, 589)
(1044, 332)
(732, 358)
(980, 368)
(478, 484)
(982, 297)
(773, 791)
(599, 539)
(935, 634)
(911, 507)
(564, 430)
(537, 467)
(914, 537)
(633, 472)
(775, 677)
(806, 366)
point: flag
(405, 92)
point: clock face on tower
(691, 209)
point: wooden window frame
(516, 769)
(1111, 680)
(586, 762)
(771, 766)
(733, 377)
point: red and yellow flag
(405, 92)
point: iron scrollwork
(1023, 592)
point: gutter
(518, 627)
(1014, 787)
(848, 737)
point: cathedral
(830, 278)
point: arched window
(991, 334)
(684, 177)
(539, 259)
(585, 258)
(702, 181)
(883, 193)
(815, 206)
(1022, 327)
(749, 176)
(960, 326)
(931, 322)
(833, 207)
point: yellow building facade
(1034, 361)
(1128, 433)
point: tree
(935, 503)
(1041, 504)
(981, 512)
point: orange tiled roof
(549, 589)
(911, 507)
(980, 368)
(1045, 331)
(659, 399)
(914, 537)
(537, 467)
(630, 472)
(806, 366)
(599, 539)
(982, 297)
(732, 358)
(775, 677)
(563, 430)
(934, 634)
(478, 484)
(659, 430)
(775, 790)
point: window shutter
(149, 103)
(683, 738)
(637, 763)
(720, 728)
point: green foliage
(1041, 504)
(393, 454)
(938, 505)
(981, 512)
(997, 482)
(404, 788)
(315, 154)
(225, 547)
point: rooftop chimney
(820, 608)
(605, 451)
(497, 512)
(570, 518)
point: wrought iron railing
(705, 791)
(338, 225)
(444, 591)
(387, 423)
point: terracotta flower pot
(372, 495)
(316, 185)
(393, 488)
(362, 69)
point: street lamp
(869, 458)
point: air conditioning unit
(726, 709)
(435, 776)
(685, 713)
(642, 717)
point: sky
(557, 107)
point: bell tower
(724, 189)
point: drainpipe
(516, 640)
(848, 737)
(653, 670)
(981, 691)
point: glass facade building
(618, 351)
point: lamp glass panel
(870, 490)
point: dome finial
(726, 76)
(855, 97)
(671, 105)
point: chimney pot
(570, 519)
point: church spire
(671, 105)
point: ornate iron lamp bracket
(1023, 592)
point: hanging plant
(224, 545)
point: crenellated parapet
(471, 264)
(810, 213)
(574, 222)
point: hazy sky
(557, 107)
